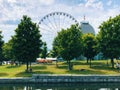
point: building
(86, 27)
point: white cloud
(46, 2)
(109, 2)
(7, 31)
(12, 1)
(113, 12)
(1, 1)
(94, 4)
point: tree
(89, 43)
(68, 44)
(26, 42)
(44, 51)
(1, 44)
(109, 38)
(8, 51)
(56, 47)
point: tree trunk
(87, 60)
(56, 63)
(19, 63)
(69, 65)
(27, 67)
(112, 62)
(90, 63)
(30, 64)
(67, 61)
(0, 63)
(107, 63)
(30, 67)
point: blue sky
(96, 11)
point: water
(75, 86)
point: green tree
(109, 38)
(44, 51)
(26, 42)
(56, 47)
(89, 43)
(8, 51)
(1, 50)
(68, 44)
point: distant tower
(86, 27)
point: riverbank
(69, 78)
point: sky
(95, 11)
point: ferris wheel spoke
(69, 22)
(48, 26)
(55, 22)
(45, 30)
(51, 24)
(59, 22)
(64, 20)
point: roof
(86, 27)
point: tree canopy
(44, 51)
(1, 44)
(27, 41)
(68, 43)
(89, 43)
(109, 38)
(8, 51)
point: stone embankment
(53, 78)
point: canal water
(62, 86)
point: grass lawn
(98, 67)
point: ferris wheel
(53, 23)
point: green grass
(98, 67)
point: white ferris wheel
(54, 22)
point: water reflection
(63, 86)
